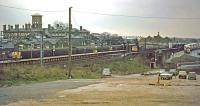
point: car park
(182, 75)
(192, 76)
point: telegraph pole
(70, 45)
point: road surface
(39, 90)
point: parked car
(192, 76)
(165, 76)
(182, 75)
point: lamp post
(31, 50)
(41, 48)
(54, 49)
(1, 46)
(155, 58)
(1, 36)
(180, 62)
(124, 47)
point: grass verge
(16, 75)
(184, 58)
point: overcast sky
(137, 26)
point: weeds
(28, 74)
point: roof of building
(7, 45)
(52, 41)
(36, 14)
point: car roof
(172, 70)
(166, 72)
(192, 72)
(182, 71)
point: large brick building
(30, 31)
(16, 33)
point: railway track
(61, 60)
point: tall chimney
(26, 26)
(49, 26)
(81, 28)
(11, 27)
(57, 26)
(29, 26)
(4, 27)
(16, 26)
(158, 33)
(8, 27)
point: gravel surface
(132, 90)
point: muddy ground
(132, 90)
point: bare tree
(60, 25)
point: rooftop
(36, 14)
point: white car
(165, 76)
(182, 75)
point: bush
(34, 73)
(90, 72)
(126, 66)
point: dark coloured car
(192, 76)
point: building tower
(158, 34)
(36, 21)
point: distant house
(129, 39)
(6, 44)
(6, 48)
(22, 45)
(49, 43)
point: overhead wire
(193, 19)
(106, 14)
(134, 16)
(26, 9)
